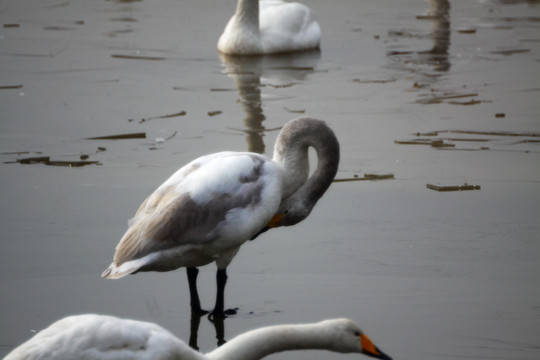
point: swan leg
(192, 273)
(194, 330)
(219, 312)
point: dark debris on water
(46, 160)
(138, 135)
(371, 177)
(463, 187)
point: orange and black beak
(274, 222)
(370, 349)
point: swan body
(100, 337)
(269, 27)
(201, 214)
(206, 210)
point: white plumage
(100, 337)
(201, 214)
(269, 27)
(206, 210)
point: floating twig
(434, 143)
(140, 135)
(133, 57)
(375, 81)
(494, 133)
(467, 31)
(440, 144)
(220, 89)
(453, 188)
(58, 28)
(46, 160)
(301, 111)
(371, 177)
(440, 99)
(9, 87)
(17, 153)
(72, 163)
(181, 113)
(470, 102)
(510, 52)
(279, 86)
(34, 160)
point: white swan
(99, 337)
(269, 27)
(206, 210)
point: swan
(101, 337)
(206, 210)
(269, 27)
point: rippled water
(431, 94)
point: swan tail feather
(115, 272)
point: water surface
(428, 275)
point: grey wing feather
(180, 222)
(167, 219)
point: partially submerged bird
(99, 337)
(206, 210)
(270, 27)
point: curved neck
(291, 151)
(259, 343)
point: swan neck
(291, 151)
(247, 14)
(259, 343)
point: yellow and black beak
(370, 349)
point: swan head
(292, 211)
(347, 337)
(296, 207)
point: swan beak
(369, 349)
(275, 221)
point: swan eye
(357, 333)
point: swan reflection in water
(250, 73)
(437, 56)
(439, 13)
(219, 327)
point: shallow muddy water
(432, 94)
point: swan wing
(287, 26)
(215, 203)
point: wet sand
(427, 274)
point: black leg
(221, 280)
(219, 312)
(194, 331)
(193, 293)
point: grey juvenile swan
(206, 210)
